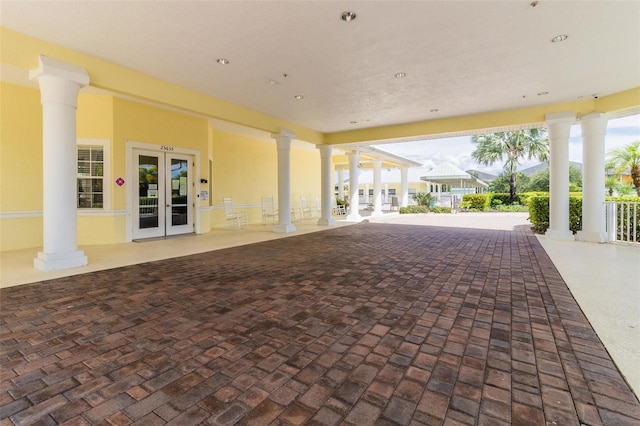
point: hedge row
(539, 212)
(488, 200)
(424, 209)
(477, 201)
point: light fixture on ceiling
(543, 93)
(401, 75)
(559, 38)
(348, 16)
(298, 97)
(222, 61)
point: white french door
(163, 203)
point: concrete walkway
(378, 323)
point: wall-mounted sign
(119, 181)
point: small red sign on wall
(119, 181)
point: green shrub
(575, 213)
(423, 198)
(413, 209)
(501, 198)
(342, 202)
(539, 213)
(439, 209)
(511, 208)
(476, 201)
(633, 199)
(523, 198)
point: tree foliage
(511, 147)
(502, 185)
(626, 159)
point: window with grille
(90, 177)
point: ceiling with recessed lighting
(388, 62)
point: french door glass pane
(148, 191)
(179, 191)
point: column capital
(284, 133)
(53, 68)
(325, 150)
(59, 82)
(594, 123)
(377, 163)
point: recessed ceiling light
(543, 93)
(401, 75)
(558, 38)
(298, 97)
(222, 61)
(348, 16)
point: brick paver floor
(366, 324)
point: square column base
(55, 261)
(354, 218)
(284, 229)
(376, 213)
(326, 221)
(560, 235)
(591, 237)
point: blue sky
(457, 151)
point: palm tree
(611, 184)
(628, 158)
(494, 147)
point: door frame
(130, 191)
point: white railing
(622, 222)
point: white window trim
(106, 184)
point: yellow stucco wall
(21, 50)
(20, 167)
(20, 139)
(246, 169)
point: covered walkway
(381, 323)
